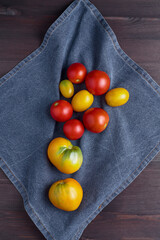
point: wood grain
(135, 213)
(16, 225)
(131, 8)
(139, 38)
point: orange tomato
(64, 156)
(66, 194)
(82, 100)
(117, 97)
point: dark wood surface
(135, 213)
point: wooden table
(135, 213)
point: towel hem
(29, 209)
(38, 222)
(43, 45)
(119, 50)
(123, 186)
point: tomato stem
(77, 80)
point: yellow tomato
(66, 88)
(82, 100)
(64, 156)
(66, 194)
(117, 97)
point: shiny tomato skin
(66, 157)
(73, 129)
(97, 82)
(66, 88)
(95, 119)
(66, 194)
(76, 73)
(61, 111)
(117, 97)
(82, 100)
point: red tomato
(73, 129)
(76, 73)
(61, 111)
(97, 82)
(95, 119)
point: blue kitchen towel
(113, 158)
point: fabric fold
(113, 158)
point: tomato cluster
(62, 154)
(94, 119)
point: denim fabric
(113, 158)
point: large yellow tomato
(117, 97)
(66, 88)
(82, 100)
(64, 156)
(66, 194)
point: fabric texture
(113, 158)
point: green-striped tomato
(64, 156)
(66, 194)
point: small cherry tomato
(73, 129)
(117, 97)
(95, 119)
(66, 88)
(82, 100)
(76, 73)
(61, 111)
(97, 82)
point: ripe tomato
(66, 88)
(97, 82)
(73, 129)
(95, 119)
(117, 97)
(76, 73)
(66, 194)
(82, 100)
(64, 156)
(61, 111)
